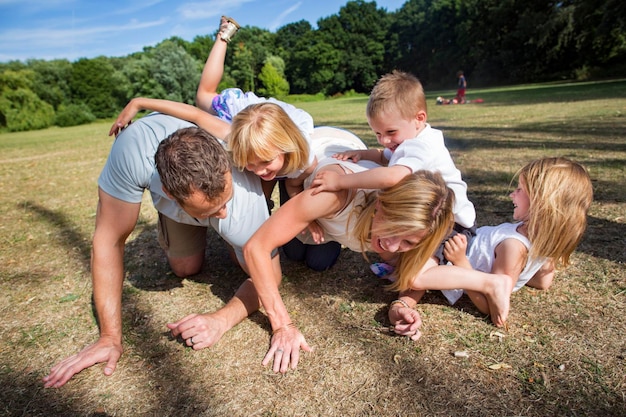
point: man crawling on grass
(193, 186)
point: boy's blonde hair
(420, 204)
(397, 92)
(259, 130)
(560, 195)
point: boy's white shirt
(428, 151)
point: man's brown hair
(189, 160)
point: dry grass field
(564, 353)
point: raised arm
(376, 178)
(199, 117)
(286, 223)
(115, 220)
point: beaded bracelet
(285, 327)
(398, 301)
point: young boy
(396, 112)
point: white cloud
(53, 38)
(280, 19)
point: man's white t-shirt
(130, 169)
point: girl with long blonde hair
(550, 206)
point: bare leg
(188, 265)
(495, 287)
(184, 246)
(246, 300)
(211, 75)
(482, 302)
(479, 300)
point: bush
(274, 85)
(22, 110)
(349, 94)
(74, 115)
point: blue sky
(72, 29)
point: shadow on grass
(23, 394)
(604, 239)
(602, 136)
(429, 392)
(143, 258)
(434, 393)
(68, 232)
(147, 267)
(350, 277)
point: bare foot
(499, 299)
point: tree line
(494, 42)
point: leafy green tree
(293, 40)
(493, 41)
(175, 73)
(200, 47)
(14, 79)
(177, 40)
(20, 108)
(288, 37)
(427, 40)
(273, 82)
(122, 91)
(598, 32)
(91, 83)
(317, 69)
(277, 62)
(51, 82)
(247, 54)
(358, 32)
(242, 69)
(12, 66)
(136, 71)
(311, 60)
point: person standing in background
(461, 86)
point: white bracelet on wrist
(398, 301)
